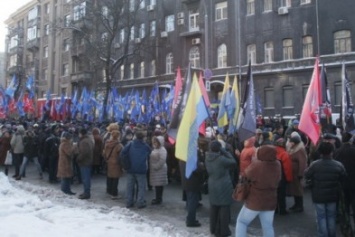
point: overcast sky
(7, 8)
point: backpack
(124, 160)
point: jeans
(326, 217)
(141, 180)
(246, 216)
(192, 199)
(17, 161)
(86, 178)
(25, 162)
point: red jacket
(247, 154)
(285, 159)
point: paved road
(172, 210)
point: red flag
(204, 91)
(28, 104)
(309, 122)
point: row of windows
(267, 5)
(288, 96)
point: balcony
(81, 76)
(189, 1)
(32, 45)
(77, 51)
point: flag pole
(318, 41)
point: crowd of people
(279, 161)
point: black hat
(295, 139)
(329, 136)
(215, 146)
(67, 135)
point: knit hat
(295, 139)
(215, 146)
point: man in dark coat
(51, 153)
(325, 176)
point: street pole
(318, 41)
(237, 10)
(206, 36)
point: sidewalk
(172, 210)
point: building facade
(280, 37)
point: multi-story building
(281, 39)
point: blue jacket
(138, 152)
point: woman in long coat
(298, 155)
(158, 175)
(111, 152)
(4, 147)
(65, 163)
(218, 164)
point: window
(46, 8)
(338, 95)
(122, 35)
(152, 2)
(142, 69)
(65, 69)
(267, 5)
(66, 20)
(169, 63)
(269, 98)
(152, 28)
(13, 41)
(194, 20)
(285, 3)
(142, 4)
(31, 33)
(66, 45)
(250, 7)
(79, 11)
(269, 52)
(307, 46)
(342, 41)
(13, 60)
(45, 52)
(142, 31)
(222, 56)
(169, 23)
(132, 33)
(251, 50)
(152, 68)
(221, 11)
(287, 97)
(104, 36)
(45, 74)
(305, 2)
(132, 5)
(32, 14)
(287, 49)
(104, 12)
(304, 91)
(131, 71)
(122, 72)
(46, 30)
(194, 57)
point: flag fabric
(187, 135)
(325, 113)
(182, 91)
(222, 118)
(30, 87)
(347, 104)
(309, 121)
(204, 91)
(10, 90)
(247, 116)
(234, 107)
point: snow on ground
(34, 211)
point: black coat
(346, 155)
(325, 176)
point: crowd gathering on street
(279, 162)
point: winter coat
(247, 155)
(346, 155)
(265, 175)
(299, 164)
(98, 148)
(85, 151)
(286, 163)
(158, 170)
(30, 142)
(138, 152)
(325, 176)
(111, 152)
(220, 187)
(4, 147)
(65, 160)
(17, 143)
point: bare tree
(107, 29)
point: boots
(158, 195)
(298, 207)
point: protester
(247, 154)
(325, 176)
(97, 158)
(158, 168)
(218, 164)
(18, 148)
(65, 162)
(264, 174)
(51, 153)
(5, 146)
